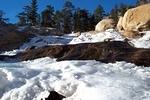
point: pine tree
(99, 13)
(27, 12)
(2, 19)
(24, 16)
(68, 16)
(123, 8)
(114, 14)
(92, 22)
(81, 20)
(33, 13)
(58, 19)
(141, 2)
(22, 19)
(29, 15)
(77, 22)
(48, 17)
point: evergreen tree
(67, 13)
(114, 14)
(33, 13)
(39, 20)
(29, 16)
(58, 19)
(24, 16)
(141, 2)
(92, 22)
(77, 22)
(99, 13)
(22, 19)
(48, 17)
(81, 20)
(2, 19)
(123, 8)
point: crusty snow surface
(77, 80)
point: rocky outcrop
(11, 38)
(119, 24)
(134, 21)
(105, 24)
(104, 51)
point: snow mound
(143, 42)
(77, 80)
(112, 35)
(88, 37)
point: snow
(40, 41)
(143, 42)
(13, 52)
(112, 35)
(77, 80)
(88, 37)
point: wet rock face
(55, 96)
(104, 51)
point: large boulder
(135, 20)
(119, 24)
(105, 24)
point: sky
(13, 7)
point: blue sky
(12, 7)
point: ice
(77, 80)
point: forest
(69, 18)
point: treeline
(3, 20)
(66, 20)
(69, 18)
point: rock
(136, 20)
(55, 96)
(119, 24)
(11, 38)
(131, 34)
(77, 34)
(110, 51)
(105, 24)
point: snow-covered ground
(77, 80)
(87, 37)
(40, 41)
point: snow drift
(77, 80)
